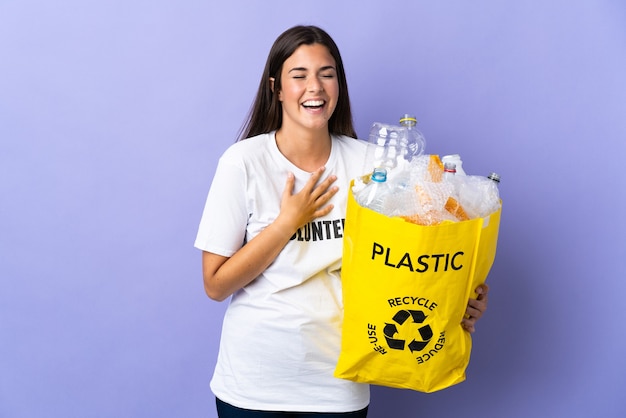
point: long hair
(266, 113)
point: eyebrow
(328, 67)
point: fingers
(291, 181)
(483, 291)
(475, 308)
(315, 176)
(318, 190)
(320, 193)
(468, 325)
(310, 202)
(474, 311)
(325, 192)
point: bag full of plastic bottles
(420, 236)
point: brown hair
(266, 113)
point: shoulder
(350, 147)
(247, 149)
(248, 145)
(349, 155)
(350, 144)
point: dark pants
(225, 410)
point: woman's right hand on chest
(297, 209)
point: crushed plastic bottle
(480, 196)
(387, 146)
(416, 143)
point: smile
(313, 103)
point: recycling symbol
(419, 334)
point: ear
(272, 81)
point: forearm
(223, 276)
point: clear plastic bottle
(456, 159)
(454, 183)
(480, 195)
(374, 194)
(494, 192)
(451, 192)
(416, 143)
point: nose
(315, 85)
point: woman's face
(310, 88)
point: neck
(307, 150)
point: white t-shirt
(282, 332)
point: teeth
(313, 103)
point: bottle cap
(449, 167)
(379, 175)
(495, 177)
(408, 119)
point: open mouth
(314, 104)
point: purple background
(112, 117)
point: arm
(225, 275)
(476, 308)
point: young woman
(281, 333)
